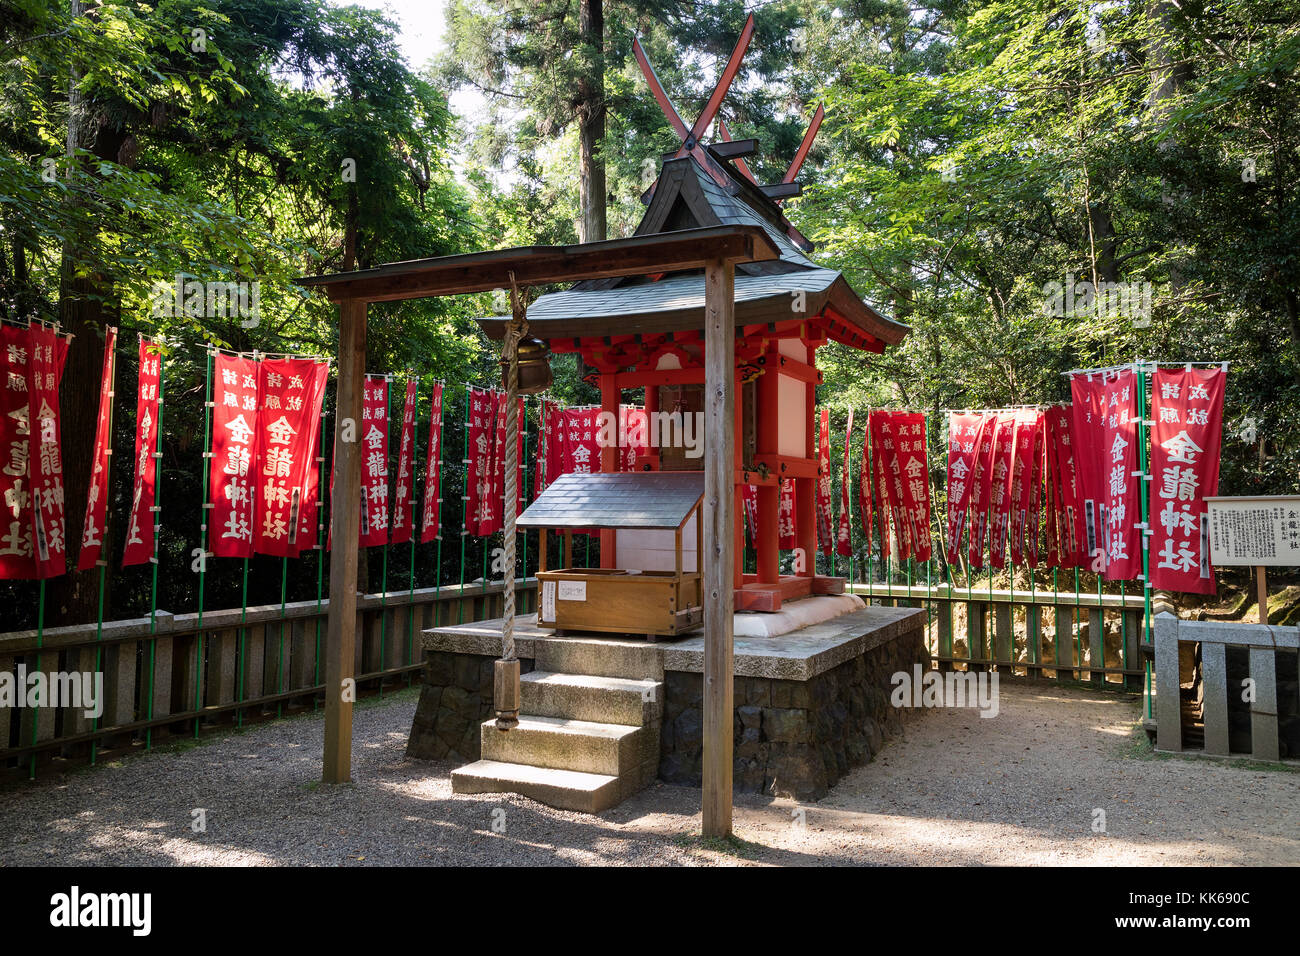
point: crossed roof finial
(691, 136)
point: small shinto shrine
(647, 332)
(585, 720)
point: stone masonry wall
(455, 700)
(793, 738)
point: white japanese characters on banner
(1187, 421)
(92, 529)
(374, 461)
(230, 475)
(288, 428)
(140, 526)
(430, 523)
(403, 492)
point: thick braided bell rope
(517, 330)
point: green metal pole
(322, 517)
(40, 640)
(208, 408)
(410, 600)
(103, 564)
(1146, 554)
(243, 646)
(284, 594)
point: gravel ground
(1021, 789)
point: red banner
(864, 485)
(634, 435)
(883, 463)
(140, 529)
(32, 485)
(16, 558)
(825, 510)
(749, 499)
(1024, 477)
(963, 449)
(898, 439)
(1187, 409)
(580, 451)
(290, 392)
(1004, 443)
(480, 514)
(45, 457)
(550, 418)
(1064, 516)
(230, 479)
(430, 525)
(844, 534)
(1121, 485)
(403, 498)
(1087, 433)
(786, 517)
(909, 434)
(92, 530)
(374, 461)
(309, 527)
(982, 488)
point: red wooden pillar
(609, 402)
(737, 488)
(805, 489)
(769, 496)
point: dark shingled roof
(634, 499)
(687, 197)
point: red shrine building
(647, 332)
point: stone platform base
(809, 705)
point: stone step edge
(562, 789)
(567, 725)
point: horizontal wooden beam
(787, 466)
(539, 265)
(793, 368)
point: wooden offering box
(651, 513)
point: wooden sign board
(1259, 531)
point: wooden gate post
(719, 541)
(341, 634)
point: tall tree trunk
(73, 598)
(591, 122)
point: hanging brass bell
(534, 367)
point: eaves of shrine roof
(676, 304)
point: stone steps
(588, 731)
(609, 700)
(563, 744)
(562, 789)
(596, 657)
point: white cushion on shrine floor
(795, 615)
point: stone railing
(1225, 687)
(176, 674)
